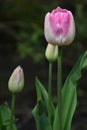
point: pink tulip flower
(59, 27)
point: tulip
(59, 27)
(16, 81)
(51, 52)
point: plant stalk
(12, 110)
(59, 87)
(50, 90)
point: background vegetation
(22, 42)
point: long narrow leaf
(69, 96)
(42, 93)
(5, 117)
(40, 110)
(39, 113)
(56, 120)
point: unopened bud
(51, 52)
(16, 81)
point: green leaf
(69, 95)
(5, 117)
(0, 122)
(42, 94)
(5, 113)
(56, 122)
(41, 108)
(39, 113)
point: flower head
(16, 81)
(59, 27)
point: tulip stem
(12, 110)
(50, 90)
(59, 87)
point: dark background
(22, 42)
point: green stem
(12, 110)
(50, 90)
(59, 87)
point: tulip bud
(16, 81)
(59, 27)
(51, 52)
